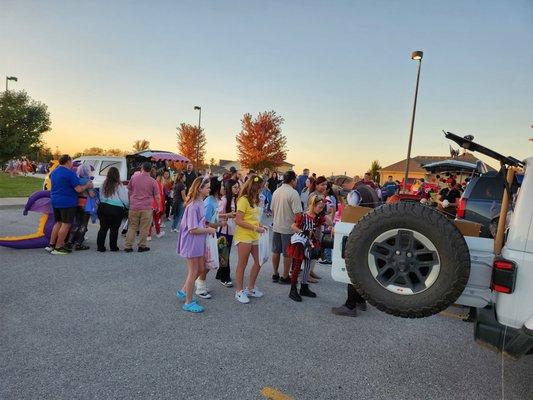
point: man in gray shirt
(286, 205)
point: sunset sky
(339, 72)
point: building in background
(416, 171)
(227, 164)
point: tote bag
(264, 248)
(211, 252)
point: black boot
(305, 291)
(294, 294)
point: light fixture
(417, 55)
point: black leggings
(224, 274)
(354, 298)
(79, 227)
(110, 219)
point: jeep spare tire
(407, 260)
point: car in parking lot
(481, 201)
(409, 260)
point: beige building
(227, 164)
(397, 170)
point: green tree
(22, 124)
(94, 151)
(141, 145)
(212, 162)
(374, 170)
(114, 152)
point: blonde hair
(313, 201)
(251, 189)
(194, 191)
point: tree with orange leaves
(260, 144)
(191, 143)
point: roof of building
(288, 164)
(415, 163)
(218, 170)
(223, 163)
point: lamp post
(417, 56)
(10, 78)
(198, 139)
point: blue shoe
(193, 307)
(182, 296)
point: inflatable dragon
(38, 202)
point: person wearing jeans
(142, 190)
(178, 200)
(113, 201)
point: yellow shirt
(251, 216)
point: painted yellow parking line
(274, 394)
(453, 315)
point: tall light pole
(10, 78)
(417, 56)
(198, 141)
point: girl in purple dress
(192, 239)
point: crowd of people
(301, 212)
(24, 166)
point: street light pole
(417, 56)
(198, 139)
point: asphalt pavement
(108, 326)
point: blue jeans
(178, 214)
(327, 252)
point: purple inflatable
(38, 202)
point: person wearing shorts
(286, 205)
(64, 195)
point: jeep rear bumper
(488, 332)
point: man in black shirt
(190, 176)
(448, 199)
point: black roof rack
(468, 143)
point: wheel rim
(404, 261)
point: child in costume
(305, 245)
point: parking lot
(107, 325)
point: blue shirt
(300, 183)
(211, 209)
(390, 188)
(63, 194)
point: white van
(101, 164)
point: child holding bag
(305, 245)
(247, 237)
(228, 206)
(192, 240)
(212, 219)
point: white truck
(409, 260)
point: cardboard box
(468, 228)
(353, 214)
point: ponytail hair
(251, 189)
(194, 191)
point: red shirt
(142, 191)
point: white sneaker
(255, 292)
(174, 230)
(203, 295)
(148, 238)
(49, 248)
(241, 297)
(160, 234)
(163, 226)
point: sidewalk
(12, 202)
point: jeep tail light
(503, 276)
(462, 207)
